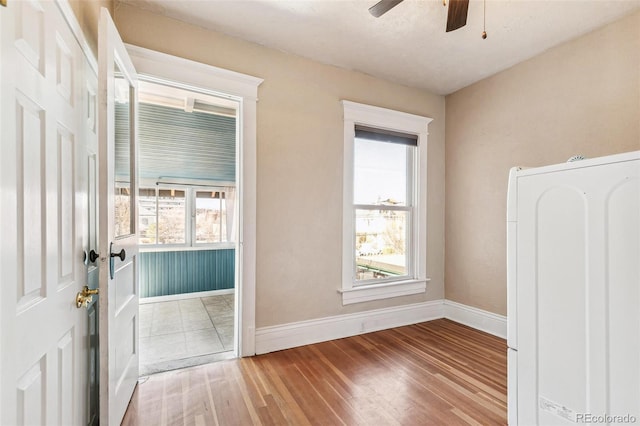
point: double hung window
(383, 202)
(384, 221)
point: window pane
(211, 217)
(122, 163)
(147, 215)
(122, 209)
(380, 172)
(171, 216)
(381, 244)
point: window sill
(365, 293)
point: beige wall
(88, 14)
(582, 97)
(300, 139)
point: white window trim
(382, 118)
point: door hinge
(3, 3)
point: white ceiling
(407, 45)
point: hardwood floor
(433, 373)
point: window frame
(416, 281)
(190, 191)
(194, 215)
(408, 208)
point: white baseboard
(279, 337)
(477, 318)
(275, 338)
(182, 296)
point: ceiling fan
(456, 15)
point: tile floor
(183, 333)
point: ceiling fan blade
(382, 7)
(457, 15)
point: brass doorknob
(84, 297)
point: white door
(117, 93)
(43, 352)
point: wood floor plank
(434, 373)
(210, 403)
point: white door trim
(244, 89)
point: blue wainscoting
(165, 273)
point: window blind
(382, 135)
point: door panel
(31, 390)
(31, 242)
(30, 29)
(66, 205)
(117, 82)
(66, 375)
(124, 286)
(43, 352)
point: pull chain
(484, 19)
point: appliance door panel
(622, 286)
(577, 295)
(552, 271)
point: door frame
(160, 67)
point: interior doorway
(188, 221)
